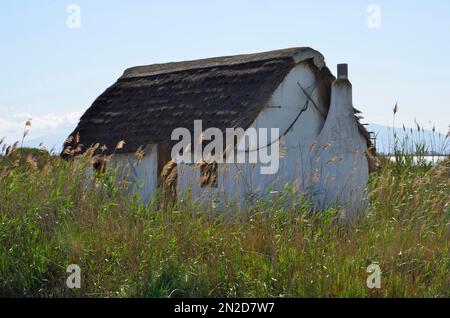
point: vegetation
(53, 214)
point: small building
(323, 149)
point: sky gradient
(53, 73)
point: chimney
(342, 70)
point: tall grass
(52, 214)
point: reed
(53, 213)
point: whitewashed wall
(341, 164)
(302, 165)
(240, 181)
(141, 176)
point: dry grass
(52, 215)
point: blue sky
(52, 73)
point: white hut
(316, 142)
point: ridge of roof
(298, 54)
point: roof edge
(298, 54)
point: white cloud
(48, 128)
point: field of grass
(53, 215)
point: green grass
(52, 215)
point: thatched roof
(148, 102)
